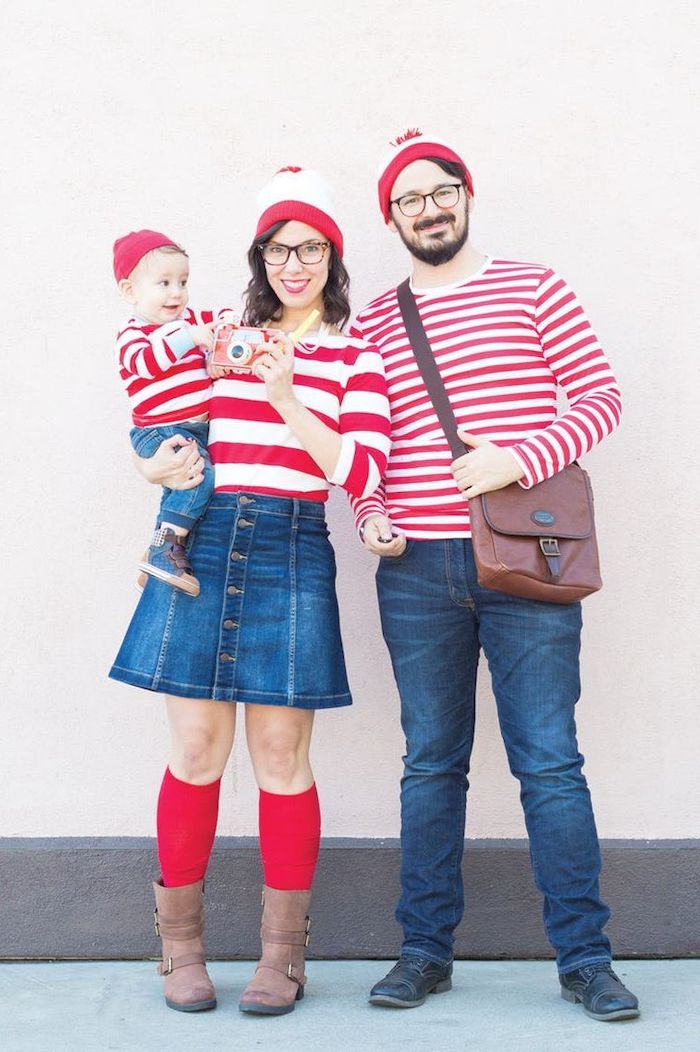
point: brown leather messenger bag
(537, 543)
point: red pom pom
(410, 133)
(289, 168)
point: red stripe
(276, 456)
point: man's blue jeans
(435, 619)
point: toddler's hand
(218, 372)
(203, 335)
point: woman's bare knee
(201, 739)
(279, 749)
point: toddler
(161, 352)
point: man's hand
(378, 538)
(176, 468)
(487, 467)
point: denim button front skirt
(265, 627)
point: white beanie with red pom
(302, 194)
(413, 145)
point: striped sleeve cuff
(530, 478)
(179, 341)
(345, 461)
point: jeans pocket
(389, 560)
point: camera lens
(239, 353)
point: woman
(265, 629)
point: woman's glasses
(308, 252)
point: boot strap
(170, 964)
(287, 972)
(286, 938)
(190, 927)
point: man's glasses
(412, 205)
(307, 252)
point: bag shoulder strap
(428, 367)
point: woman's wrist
(149, 470)
(287, 406)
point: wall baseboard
(90, 897)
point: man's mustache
(425, 224)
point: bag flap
(558, 507)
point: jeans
(180, 507)
(435, 620)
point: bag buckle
(549, 546)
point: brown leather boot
(279, 979)
(179, 920)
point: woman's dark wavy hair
(260, 304)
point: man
(504, 335)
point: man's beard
(440, 251)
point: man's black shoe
(603, 995)
(410, 981)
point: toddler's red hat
(130, 249)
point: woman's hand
(487, 467)
(378, 537)
(176, 463)
(276, 368)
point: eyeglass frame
(442, 186)
(325, 245)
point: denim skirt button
(226, 657)
(244, 522)
(228, 623)
(236, 556)
(232, 590)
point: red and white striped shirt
(504, 340)
(341, 381)
(164, 373)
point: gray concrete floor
(515, 1006)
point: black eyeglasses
(412, 205)
(307, 252)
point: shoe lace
(590, 971)
(416, 964)
(180, 557)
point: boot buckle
(156, 925)
(167, 969)
(307, 932)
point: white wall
(576, 122)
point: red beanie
(130, 249)
(302, 194)
(409, 147)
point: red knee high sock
(187, 817)
(290, 833)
